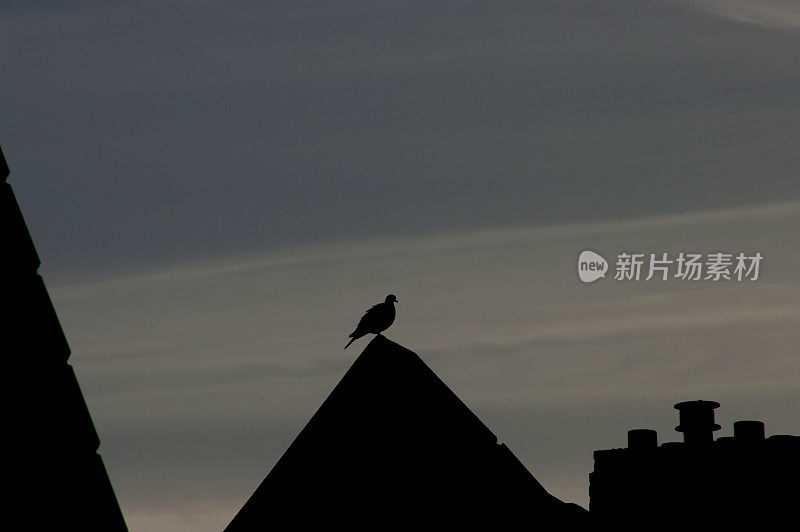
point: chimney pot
(639, 439)
(748, 431)
(697, 421)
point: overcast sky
(219, 189)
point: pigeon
(376, 319)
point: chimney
(640, 439)
(748, 431)
(697, 421)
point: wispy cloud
(769, 13)
(226, 360)
(353, 119)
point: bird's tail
(350, 342)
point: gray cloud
(218, 189)
(183, 130)
(769, 13)
(200, 375)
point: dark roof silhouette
(56, 479)
(743, 482)
(393, 446)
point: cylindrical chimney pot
(697, 421)
(748, 431)
(639, 439)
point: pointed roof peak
(393, 441)
(395, 381)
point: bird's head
(391, 299)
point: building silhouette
(700, 483)
(56, 478)
(393, 447)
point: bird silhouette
(375, 320)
